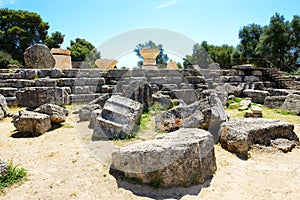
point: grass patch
(15, 174)
(277, 114)
(68, 126)
(234, 103)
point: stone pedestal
(62, 58)
(172, 65)
(106, 64)
(149, 56)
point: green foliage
(14, 174)
(205, 54)
(161, 59)
(82, 50)
(199, 57)
(19, 29)
(6, 59)
(155, 183)
(246, 50)
(55, 40)
(284, 112)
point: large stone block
(32, 123)
(36, 96)
(118, 118)
(4, 110)
(238, 135)
(189, 96)
(292, 103)
(257, 96)
(38, 56)
(274, 101)
(206, 114)
(183, 157)
(57, 113)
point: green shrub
(15, 174)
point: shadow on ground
(174, 192)
(17, 134)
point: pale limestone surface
(106, 64)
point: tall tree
(55, 40)
(294, 36)
(161, 59)
(205, 54)
(199, 56)
(82, 50)
(275, 43)
(249, 36)
(20, 29)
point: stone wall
(84, 85)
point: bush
(6, 59)
(14, 174)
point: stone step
(17, 83)
(116, 114)
(8, 91)
(83, 98)
(11, 101)
(107, 129)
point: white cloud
(6, 2)
(166, 4)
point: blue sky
(215, 21)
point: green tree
(82, 50)
(6, 59)
(199, 56)
(19, 29)
(205, 54)
(250, 37)
(161, 59)
(294, 36)
(275, 42)
(55, 40)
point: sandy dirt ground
(60, 166)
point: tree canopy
(20, 29)
(55, 40)
(274, 45)
(161, 59)
(82, 50)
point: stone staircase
(283, 81)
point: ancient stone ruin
(38, 56)
(62, 58)
(192, 113)
(149, 56)
(183, 157)
(238, 135)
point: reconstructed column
(106, 64)
(149, 56)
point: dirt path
(60, 167)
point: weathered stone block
(38, 56)
(118, 118)
(4, 110)
(238, 135)
(207, 114)
(274, 101)
(57, 114)
(292, 103)
(36, 96)
(32, 123)
(189, 96)
(183, 157)
(257, 96)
